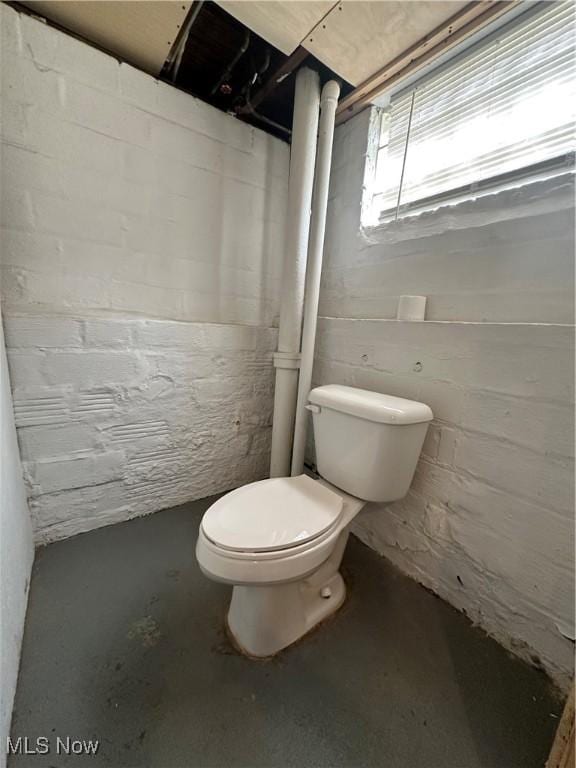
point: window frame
(554, 166)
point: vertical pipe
(328, 105)
(286, 360)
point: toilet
(280, 542)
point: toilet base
(265, 619)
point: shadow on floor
(124, 643)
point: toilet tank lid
(373, 406)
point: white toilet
(280, 542)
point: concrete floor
(124, 643)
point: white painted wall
(142, 236)
(16, 554)
(125, 194)
(488, 523)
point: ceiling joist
(286, 69)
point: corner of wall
(16, 554)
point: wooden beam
(292, 62)
(562, 753)
(442, 39)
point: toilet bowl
(280, 542)
(282, 557)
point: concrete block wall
(120, 417)
(121, 193)
(141, 244)
(488, 523)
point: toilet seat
(274, 515)
(264, 568)
(279, 564)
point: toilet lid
(272, 514)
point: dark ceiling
(227, 65)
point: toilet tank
(367, 444)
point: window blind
(504, 105)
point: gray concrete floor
(124, 643)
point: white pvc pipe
(328, 104)
(302, 158)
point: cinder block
(97, 404)
(546, 428)
(70, 291)
(10, 32)
(517, 471)
(14, 126)
(181, 108)
(267, 342)
(82, 258)
(277, 154)
(163, 334)
(139, 165)
(106, 114)
(228, 337)
(17, 209)
(43, 442)
(144, 235)
(12, 286)
(76, 219)
(186, 145)
(547, 545)
(86, 369)
(26, 368)
(42, 331)
(199, 307)
(181, 368)
(39, 41)
(76, 145)
(86, 64)
(176, 273)
(244, 166)
(102, 190)
(197, 193)
(40, 405)
(447, 448)
(32, 250)
(77, 472)
(210, 392)
(24, 83)
(108, 333)
(145, 299)
(260, 441)
(22, 169)
(92, 506)
(189, 187)
(139, 88)
(432, 442)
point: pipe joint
(330, 92)
(287, 360)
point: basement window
(498, 115)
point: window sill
(554, 193)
